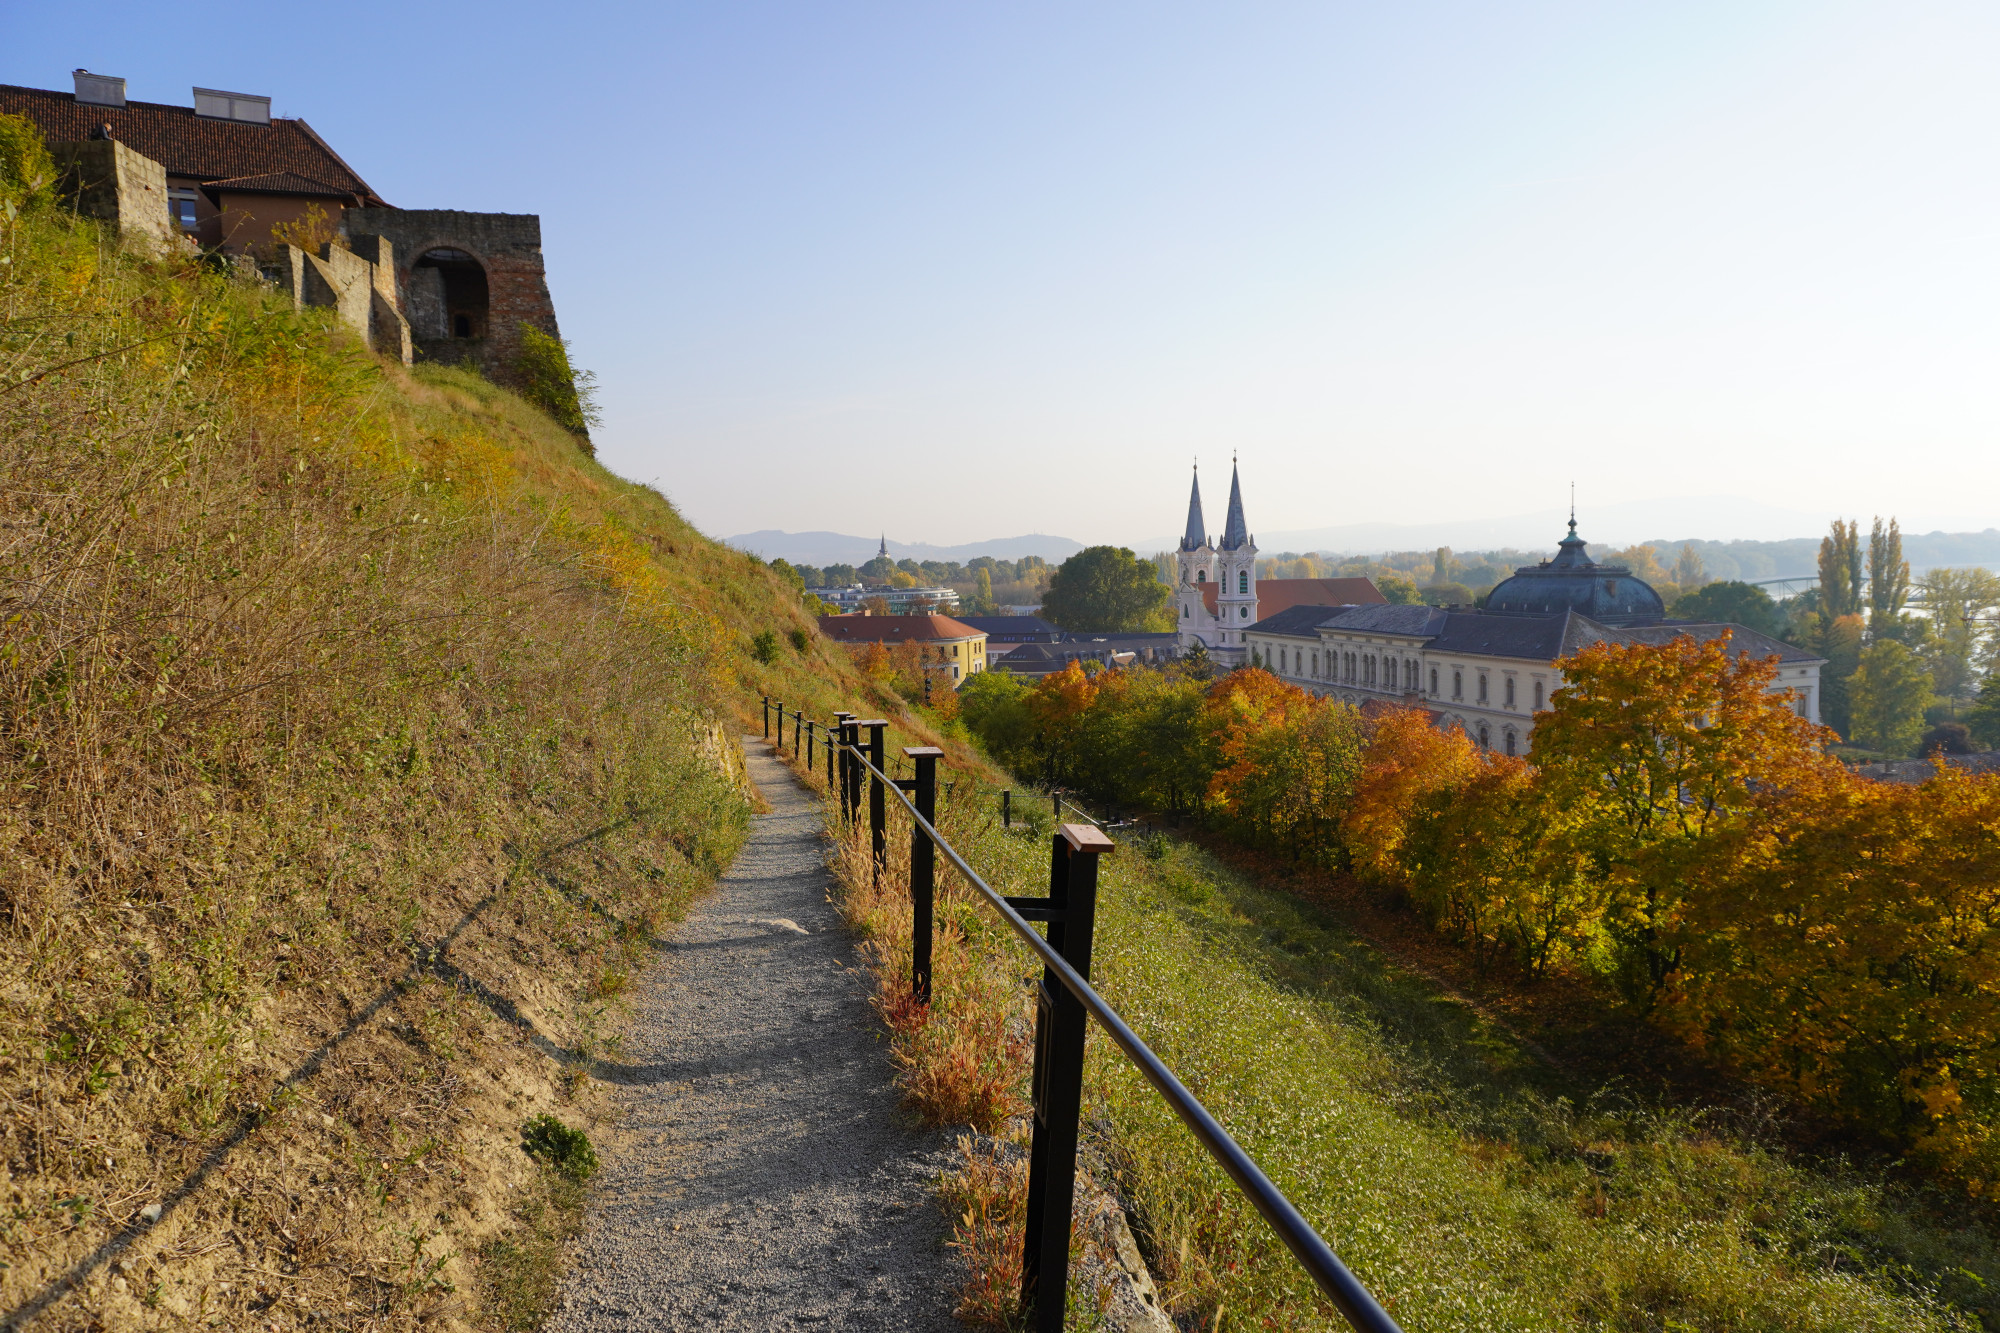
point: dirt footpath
(760, 1177)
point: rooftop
(282, 156)
(896, 629)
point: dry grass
(986, 1197)
(356, 734)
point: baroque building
(1492, 671)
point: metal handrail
(1340, 1286)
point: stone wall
(359, 285)
(507, 246)
(103, 179)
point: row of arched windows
(1387, 671)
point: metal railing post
(781, 726)
(1058, 1081)
(809, 744)
(1056, 797)
(1007, 809)
(767, 717)
(798, 726)
(838, 751)
(923, 869)
(878, 808)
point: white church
(1490, 670)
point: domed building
(1608, 594)
(1492, 671)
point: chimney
(99, 89)
(246, 107)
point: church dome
(1608, 594)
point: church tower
(1195, 561)
(1236, 571)
(1231, 568)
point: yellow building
(956, 644)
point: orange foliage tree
(1653, 751)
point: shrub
(801, 641)
(764, 647)
(550, 382)
(27, 172)
(567, 1150)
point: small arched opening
(448, 295)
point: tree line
(1678, 832)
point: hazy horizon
(956, 272)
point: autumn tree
(1840, 570)
(1983, 721)
(1888, 695)
(1888, 577)
(1688, 572)
(1960, 601)
(1655, 749)
(1106, 588)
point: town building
(957, 648)
(1217, 595)
(900, 601)
(1112, 650)
(1492, 671)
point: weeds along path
(760, 1177)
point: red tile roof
(895, 629)
(207, 149)
(1275, 595)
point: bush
(764, 647)
(801, 641)
(548, 381)
(27, 172)
(566, 1150)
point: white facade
(1231, 566)
(1494, 696)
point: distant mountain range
(837, 548)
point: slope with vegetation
(360, 733)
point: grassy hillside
(357, 733)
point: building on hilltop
(1493, 671)
(1217, 596)
(958, 646)
(428, 284)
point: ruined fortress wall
(507, 246)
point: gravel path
(759, 1177)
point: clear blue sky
(961, 271)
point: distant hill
(1798, 557)
(828, 548)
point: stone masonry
(441, 255)
(359, 285)
(103, 179)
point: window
(1434, 682)
(1243, 580)
(1482, 690)
(1510, 704)
(1458, 684)
(1184, 613)
(1538, 696)
(1243, 612)
(1201, 576)
(1485, 735)
(1510, 740)
(180, 207)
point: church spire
(1235, 532)
(1196, 535)
(883, 554)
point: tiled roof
(1417, 621)
(1539, 638)
(1301, 622)
(1742, 639)
(1022, 628)
(201, 147)
(1274, 595)
(895, 629)
(278, 182)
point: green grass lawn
(1457, 1174)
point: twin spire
(1235, 531)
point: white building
(1493, 671)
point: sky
(964, 271)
